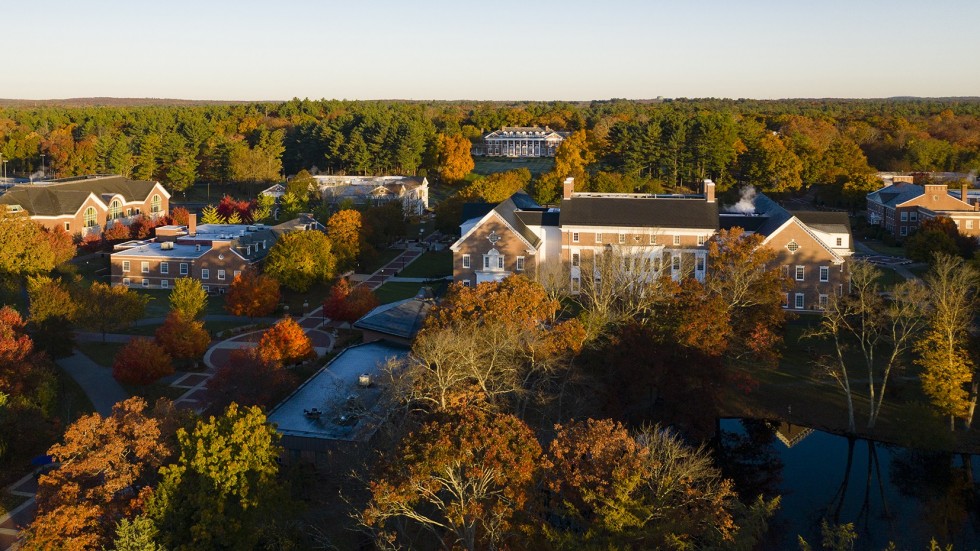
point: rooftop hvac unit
(167, 246)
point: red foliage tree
(141, 362)
(252, 294)
(248, 381)
(179, 216)
(62, 244)
(17, 358)
(143, 226)
(285, 343)
(116, 232)
(348, 305)
(91, 243)
(229, 204)
(182, 338)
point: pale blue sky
(501, 49)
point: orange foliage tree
(252, 294)
(344, 231)
(104, 464)
(183, 338)
(141, 362)
(454, 158)
(61, 243)
(116, 232)
(285, 343)
(348, 305)
(467, 476)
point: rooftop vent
(167, 246)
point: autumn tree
(611, 489)
(222, 492)
(248, 380)
(179, 216)
(348, 305)
(252, 294)
(28, 248)
(302, 184)
(116, 233)
(344, 230)
(183, 338)
(943, 351)
(772, 166)
(454, 158)
(230, 207)
(264, 205)
(209, 215)
(878, 331)
(573, 158)
(105, 308)
(300, 259)
(188, 298)
(499, 338)
(49, 298)
(465, 478)
(496, 187)
(285, 343)
(104, 464)
(141, 362)
(939, 235)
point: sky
(495, 50)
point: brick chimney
(567, 188)
(709, 191)
(192, 225)
(963, 196)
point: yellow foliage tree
(455, 160)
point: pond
(890, 493)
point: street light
(42, 166)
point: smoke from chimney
(746, 203)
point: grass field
(102, 353)
(881, 248)
(400, 290)
(490, 165)
(432, 264)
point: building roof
(639, 210)
(525, 132)
(825, 221)
(508, 210)
(331, 392)
(896, 194)
(372, 182)
(57, 198)
(475, 210)
(401, 319)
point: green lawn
(881, 248)
(489, 165)
(400, 290)
(889, 278)
(101, 353)
(159, 305)
(383, 258)
(431, 265)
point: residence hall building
(88, 205)
(211, 253)
(522, 141)
(411, 191)
(902, 206)
(811, 248)
(652, 233)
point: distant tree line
(777, 145)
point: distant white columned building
(523, 141)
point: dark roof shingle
(663, 212)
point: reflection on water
(890, 493)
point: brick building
(211, 253)
(902, 206)
(88, 205)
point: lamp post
(42, 166)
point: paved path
(897, 265)
(19, 516)
(95, 380)
(391, 269)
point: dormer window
(792, 246)
(115, 209)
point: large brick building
(211, 253)
(656, 234)
(88, 205)
(902, 206)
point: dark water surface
(890, 493)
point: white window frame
(466, 261)
(653, 239)
(90, 217)
(598, 237)
(700, 240)
(164, 283)
(840, 241)
(67, 226)
(520, 264)
(144, 267)
(822, 301)
(699, 263)
(905, 216)
(576, 260)
(164, 267)
(183, 269)
(221, 275)
(824, 274)
(622, 239)
(914, 216)
(125, 266)
(236, 273)
(677, 240)
(785, 300)
(576, 285)
(206, 288)
(127, 282)
(146, 282)
(800, 301)
(800, 272)
(903, 231)
(675, 263)
(466, 283)
(205, 273)
(155, 204)
(969, 224)
(574, 237)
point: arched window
(90, 217)
(115, 209)
(155, 204)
